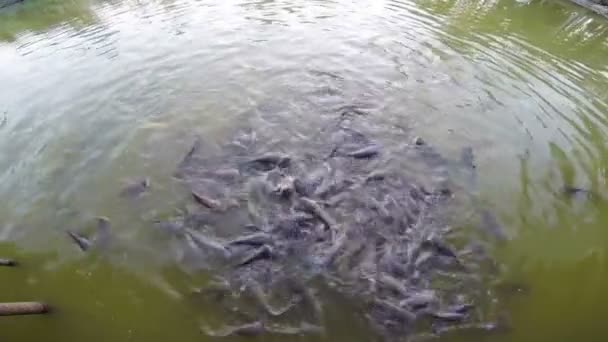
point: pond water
(95, 93)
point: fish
(136, 189)
(304, 328)
(6, 3)
(285, 187)
(393, 284)
(227, 173)
(476, 329)
(249, 329)
(258, 293)
(376, 176)
(308, 184)
(420, 299)
(103, 235)
(400, 313)
(256, 239)
(196, 146)
(571, 190)
(315, 209)
(365, 152)
(206, 201)
(468, 158)
(448, 316)
(82, 242)
(254, 228)
(264, 252)
(258, 328)
(170, 227)
(461, 308)
(205, 243)
(8, 262)
(439, 247)
(310, 297)
(491, 224)
(217, 290)
(269, 162)
(579, 193)
(100, 240)
(336, 247)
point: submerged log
(23, 308)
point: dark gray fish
(206, 243)
(395, 310)
(254, 228)
(393, 284)
(302, 187)
(196, 146)
(218, 289)
(8, 262)
(82, 242)
(365, 152)
(579, 193)
(423, 258)
(258, 293)
(468, 158)
(285, 187)
(460, 308)
(206, 201)
(246, 330)
(448, 316)
(308, 183)
(227, 174)
(103, 235)
(481, 329)
(261, 253)
(170, 227)
(491, 224)
(256, 239)
(6, 3)
(268, 162)
(303, 329)
(337, 186)
(310, 298)
(334, 249)
(315, 209)
(376, 175)
(100, 240)
(439, 247)
(419, 300)
(136, 189)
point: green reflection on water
(41, 15)
(92, 301)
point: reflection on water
(42, 15)
(95, 94)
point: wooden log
(23, 308)
(7, 262)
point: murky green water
(97, 93)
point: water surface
(95, 93)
